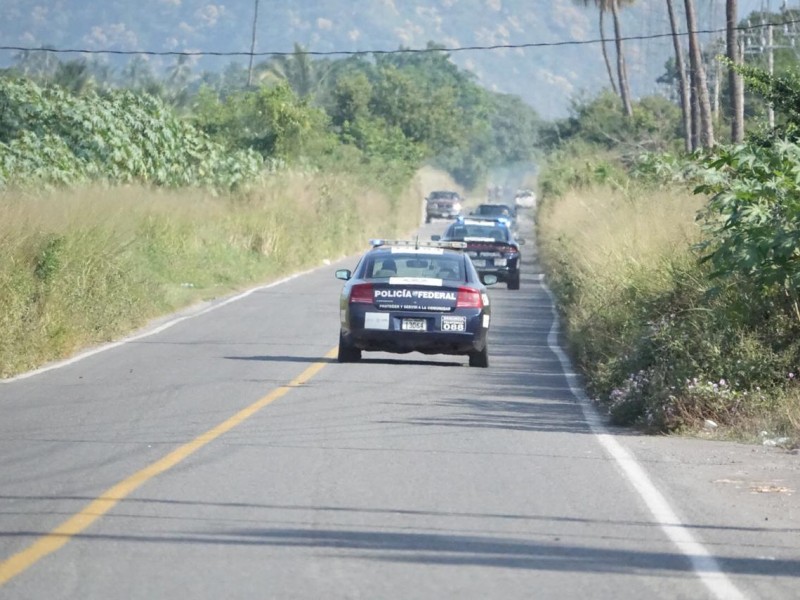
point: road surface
(225, 454)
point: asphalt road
(227, 455)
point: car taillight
(469, 298)
(361, 293)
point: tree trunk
(683, 84)
(602, 13)
(699, 84)
(622, 70)
(695, 108)
(734, 79)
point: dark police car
(491, 245)
(414, 297)
(498, 212)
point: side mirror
(436, 238)
(489, 279)
(344, 274)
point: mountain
(558, 66)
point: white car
(525, 199)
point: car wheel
(347, 352)
(513, 283)
(479, 359)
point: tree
(74, 76)
(700, 101)
(37, 64)
(351, 97)
(683, 83)
(603, 43)
(296, 69)
(624, 90)
(138, 73)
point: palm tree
(700, 101)
(603, 40)
(74, 76)
(622, 70)
(179, 75)
(138, 73)
(613, 7)
(683, 83)
(37, 64)
(296, 69)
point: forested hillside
(546, 76)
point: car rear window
(461, 232)
(489, 210)
(415, 265)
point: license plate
(478, 262)
(500, 262)
(452, 323)
(413, 325)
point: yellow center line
(58, 537)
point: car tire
(428, 219)
(479, 359)
(347, 352)
(513, 283)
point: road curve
(229, 455)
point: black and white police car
(491, 245)
(412, 296)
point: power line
(201, 53)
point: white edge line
(155, 330)
(704, 565)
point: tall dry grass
(600, 246)
(82, 266)
(661, 342)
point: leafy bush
(48, 136)
(752, 220)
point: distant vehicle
(443, 204)
(415, 297)
(525, 199)
(491, 246)
(501, 212)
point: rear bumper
(443, 214)
(503, 273)
(431, 341)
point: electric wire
(435, 48)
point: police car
(412, 296)
(498, 212)
(491, 245)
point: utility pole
(771, 71)
(252, 46)
(734, 79)
(765, 43)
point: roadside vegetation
(87, 265)
(678, 274)
(122, 199)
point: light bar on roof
(418, 244)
